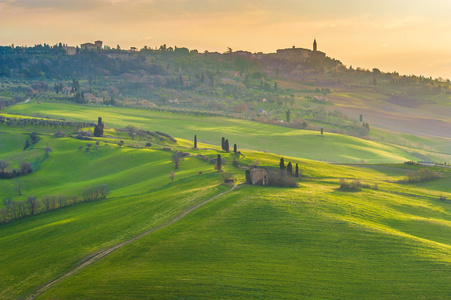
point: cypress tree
(322, 131)
(222, 143)
(282, 164)
(98, 130)
(296, 172)
(195, 142)
(235, 150)
(226, 145)
(290, 168)
(219, 163)
(248, 177)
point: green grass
(246, 134)
(37, 249)
(311, 242)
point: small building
(259, 177)
(91, 46)
(426, 163)
(70, 50)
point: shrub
(34, 138)
(281, 178)
(228, 177)
(26, 168)
(422, 175)
(350, 186)
(59, 134)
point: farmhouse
(91, 46)
(259, 177)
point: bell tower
(314, 46)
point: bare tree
(33, 204)
(19, 186)
(62, 200)
(3, 165)
(49, 202)
(177, 158)
(47, 150)
(172, 175)
(20, 209)
(131, 131)
(142, 134)
(8, 202)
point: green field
(246, 134)
(313, 241)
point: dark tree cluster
(79, 97)
(25, 168)
(52, 62)
(289, 168)
(171, 138)
(225, 145)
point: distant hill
(294, 87)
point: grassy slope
(248, 135)
(237, 245)
(35, 250)
(310, 242)
(69, 171)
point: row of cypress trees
(289, 168)
(224, 145)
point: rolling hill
(385, 240)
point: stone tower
(314, 46)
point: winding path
(99, 255)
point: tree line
(15, 210)
(19, 122)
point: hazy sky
(409, 36)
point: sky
(407, 36)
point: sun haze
(411, 37)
